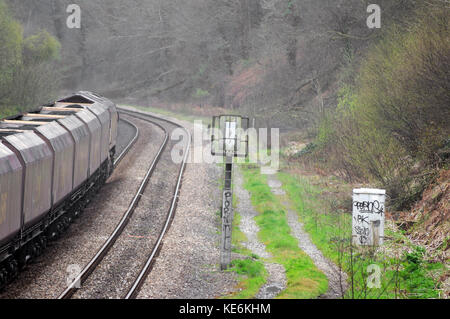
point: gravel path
(276, 281)
(336, 278)
(47, 276)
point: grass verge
(404, 272)
(304, 280)
(251, 271)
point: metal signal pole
(226, 141)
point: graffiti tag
(369, 207)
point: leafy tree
(26, 77)
(10, 50)
(40, 48)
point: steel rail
(134, 290)
(95, 261)
(129, 146)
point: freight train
(52, 161)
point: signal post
(229, 139)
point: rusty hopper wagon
(52, 160)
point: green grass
(238, 237)
(304, 280)
(323, 227)
(251, 272)
(408, 276)
(252, 275)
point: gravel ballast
(188, 264)
(120, 267)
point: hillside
(357, 106)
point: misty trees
(168, 49)
(26, 78)
(10, 50)
(286, 62)
(280, 58)
(391, 123)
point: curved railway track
(129, 145)
(167, 126)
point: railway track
(126, 148)
(161, 161)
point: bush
(26, 75)
(404, 84)
(391, 126)
(10, 49)
(307, 150)
(200, 94)
(40, 48)
(415, 275)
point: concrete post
(227, 215)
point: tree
(10, 51)
(25, 76)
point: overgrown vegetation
(251, 270)
(390, 126)
(304, 280)
(26, 77)
(405, 272)
(253, 275)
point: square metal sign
(229, 136)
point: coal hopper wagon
(52, 161)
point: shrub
(392, 125)
(26, 76)
(40, 48)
